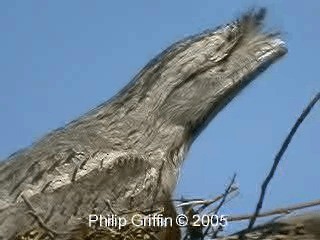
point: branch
(279, 156)
(226, 193)
(286, 210)
(203, 202)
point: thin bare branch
(278, 157)
(226, 193)
(276, 211)
(204, 201)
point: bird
(125, 155)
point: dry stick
(279, 156)
(191, 203)
(226, 193)
(205, 205)
(286, 210)
(226, 201)
(202, 201)
(230, 189)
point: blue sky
(61, 58)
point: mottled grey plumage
(129, 150)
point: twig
(182, 200)
(232, 190)
(226, 193)
(279, 156)
(214, 210)
(202, 201)
(286, 210)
